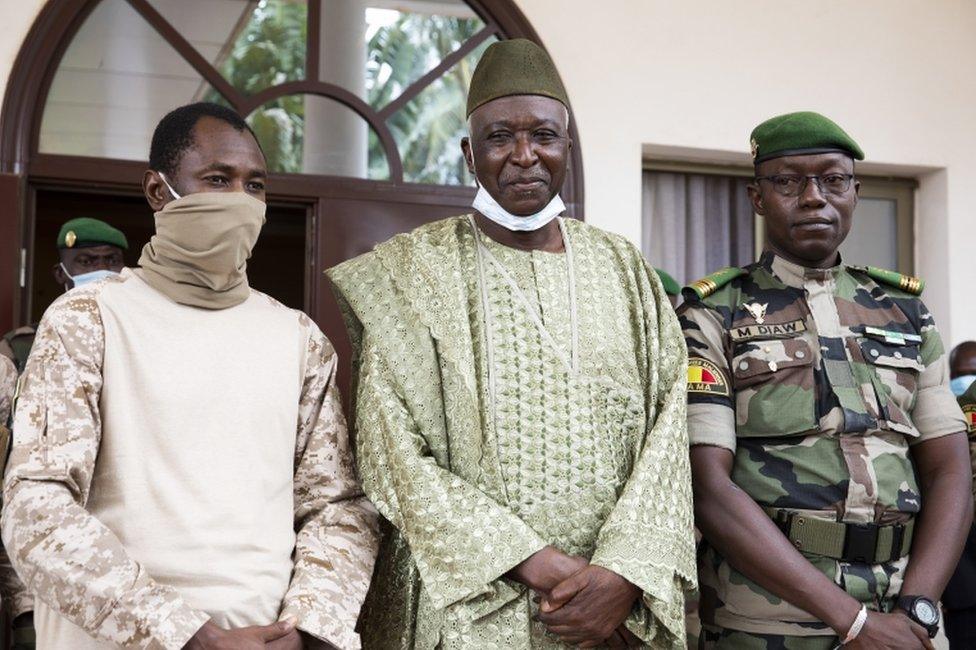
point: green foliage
(429, 128)
(271, 50)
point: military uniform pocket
(774, 388)
(894, 371)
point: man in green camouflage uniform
(87, 249)
(819, 412)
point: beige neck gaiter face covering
(199, 253)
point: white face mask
(86, 278)
(488, 206)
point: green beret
(671, 286)
(800, 134)
(514, 67)
(85, 232)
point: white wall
(18, 15)
(691, 79)
(695, 76)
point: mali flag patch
(705, 378)
(969, 410)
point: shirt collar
(796, 275)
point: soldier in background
(959, 598)
(88, 250)
(671, 286)
(819, 412)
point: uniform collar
(796, 275)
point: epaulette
(906, 283)
(712, 283)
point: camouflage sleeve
(8, 386)
(13, 592)
(711, 414)
(15, 597)
(462, 541)
(68, 558)
(936, 412)
(338, 531)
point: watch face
(926, 612)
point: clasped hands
(581, 603)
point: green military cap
(514, 67)
(85, 232)
(800, 133)
(671, 286)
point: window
(372, 90)
(882, 232)
(696, 220)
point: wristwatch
(923, 611)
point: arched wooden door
(359, 105)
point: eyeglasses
(795, 184)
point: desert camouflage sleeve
(936, 412)
(68, 558)
(15, 597)
(337, 527)
(8, 386)
(13, 592)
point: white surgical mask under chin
(87, 278)
(488, 206)
(169, 187)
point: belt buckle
(784, 521)
(861, 543)
(897, 542)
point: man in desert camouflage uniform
(819, 413)
(181, 475)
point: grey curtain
(695, 224)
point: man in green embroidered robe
(519, 406)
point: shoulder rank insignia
(712, 283)
(906, 283)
